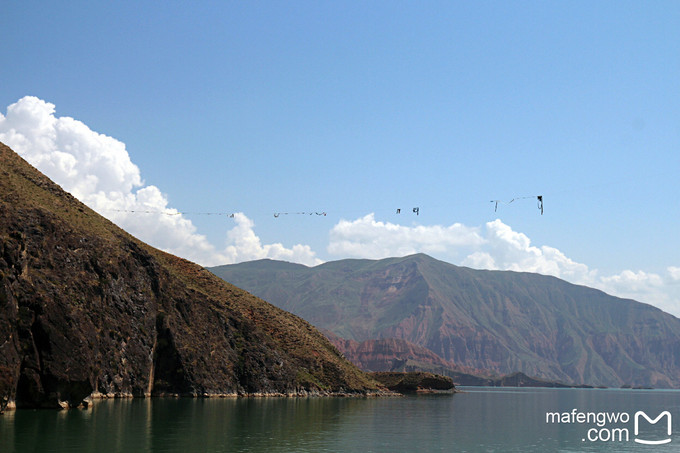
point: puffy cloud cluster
(245, 245)
(506, 249)
(496, 246)
(97, 170)
(662, 291)
(674, 273)
(368, 238)
(85, 163)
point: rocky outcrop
(387, 355)
(85, 309)
(414, 382)
(401, 357)
(395, 354)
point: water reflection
(484, 420)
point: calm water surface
(479, 420)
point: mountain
(500, 321)
(87, 309)
(391, 354)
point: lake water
(479, 420)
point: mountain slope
(500, 321)
(86, 308)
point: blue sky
(357, 109)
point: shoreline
(96, 396)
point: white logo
(653, 422)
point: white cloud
(674, 273)
(244, 245)
(497, 246)
(82, 161)
(506, 249)
(368, 238)
(632, 284)
(662, 291)
(98, 171)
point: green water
(480, 420)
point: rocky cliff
(397, 355)
(85, 309)
(414, 382)
(499, 321)
(392, 354)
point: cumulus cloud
(368, 238)
(632, 284)
(506, 249)
(84, 162)
(674, 273)
(496, 246)
(97, 170)
(662, 291)
(244, 245)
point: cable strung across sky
(415, 210)
(277, 214)
(173, 212)
(539, 198)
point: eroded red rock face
(502, 322)
(387, 355)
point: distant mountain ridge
(88, 310)
(501, 321)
